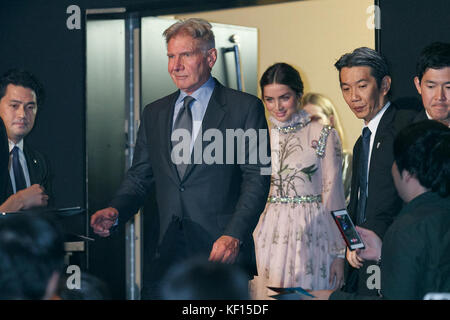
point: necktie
(183, 121)
(19, 177)
(363, 174)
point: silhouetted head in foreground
(199, 279)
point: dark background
(407, 26)
(34, 36)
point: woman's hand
(337, 273)
(353, 258)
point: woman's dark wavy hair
(423, 149)
(282, 73)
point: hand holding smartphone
(347, 229)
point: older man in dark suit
(205, 207)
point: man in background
(20, 95)
(432, 81)
(365, 83)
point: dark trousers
(356, 280)
(182, 240)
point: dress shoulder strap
(322, 143)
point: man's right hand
(103, 220)
(32, 197)
(372, 242)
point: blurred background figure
(200, 279)
(91, 288)
(322, 110)
(31, 257)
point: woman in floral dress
(296, 240)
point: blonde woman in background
(322, 110)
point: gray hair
(368, 58)
(196, 28)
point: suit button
(182, 189)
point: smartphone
(347, 229)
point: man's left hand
(372, 242)
(225, 250)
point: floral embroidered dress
(296, 239)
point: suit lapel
(32, 165)
(355, 179)
(421, 116)
(9, 188)
(384, 131)
(212, 119)
(166, 120)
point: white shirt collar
(202, 94)
(12, 144)
(373, 124)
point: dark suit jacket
(421, 116)
(415, 258)
(383, 202)
(4, 160)
(219, 199)
(414, 105)
(38, 169)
